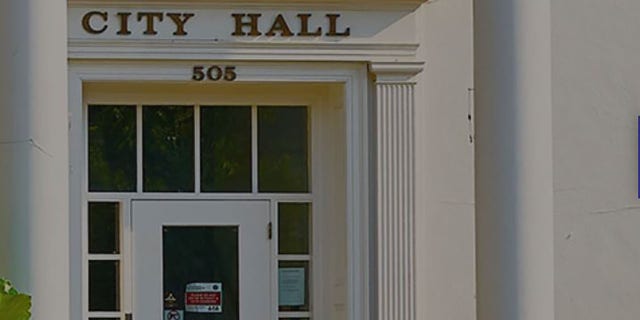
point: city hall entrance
(214, 201)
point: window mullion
(196, 150)
(254, 149)
(139, 147)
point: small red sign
(203, 298)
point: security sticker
(173, 315)
(170, 301)
(203, 297)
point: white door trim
(354, 78)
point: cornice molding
(359, 5)
(273, 51)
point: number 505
(214, 73)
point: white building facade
(355, 159)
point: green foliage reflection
(283, 149)
(226, 149)
(168, 151)
(112, 148)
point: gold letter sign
(145, 23)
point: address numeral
(214, 73)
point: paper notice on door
(291, 286)
(203, 297)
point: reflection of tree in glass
(283, 149)
(293, 228)
(202, 254)
(112, 148)
(168, 152)
(226, 149)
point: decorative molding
(211, 50)
(362, 5)
(395, 195)
(395, 71)
(353, 76)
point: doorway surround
(378, 75)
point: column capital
(395, 72)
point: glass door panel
(200, 271)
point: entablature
(266, 30)
(289, 4)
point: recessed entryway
(224, 201)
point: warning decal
(203, 297)
(173, 315)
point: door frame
(193, 217)
(354, 86)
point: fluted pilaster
(395, 190)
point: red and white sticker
(203, 297)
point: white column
(395, 190)
(514, 168)
(34, 167)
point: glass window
(225, 149)
(104, 286)
(112, 148)
(168, 149)
(283, 164)
(293, 228)
(104, 228)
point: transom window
(194, 149)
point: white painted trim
(253, 4)
(197, 156)
(140, 154)
(255, 51)
(254, 150)
(126, 251)
(76, 203)
(283, 197)
(296, 315)
(396, 72)
(274, 259)
(358, 177)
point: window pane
(283, 149)
(112, 148)
(168, 151)
(225, 145)
(293, 228)
(104, 228)
(200, 266)
(293, 285)
(104, 286)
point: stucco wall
(445, 210)
(596, 96)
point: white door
(201, 260)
